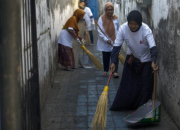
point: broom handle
(103, 32)
(83, 57)
(154, 95)
(109, 79)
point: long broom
(120, 57)
(94, 60)
(154, 93)
(99, 120)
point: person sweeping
(136, 84)
(67, 35)
(89, 22)
(109, 24)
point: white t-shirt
(139, 43)
(89, 25)
(102, 44)
(65, 38)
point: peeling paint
(178, 32)
(159, 11)
(51, 15)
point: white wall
(51, 16)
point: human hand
(154, 66)
(78, 40)
(112, 67)
(109, 42)
(83, 41)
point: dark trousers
(106, 61)
(91, 36)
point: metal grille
(29, 68)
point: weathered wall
(166, 32)
(163, 17)
(51, 15)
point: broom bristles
(121, 58)
(95, 61)
(99, 120)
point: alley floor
(72, 101)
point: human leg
(115, 74)
(91, 36)
(146, 90)
(106, 61)
(127, 91)
(66, 56)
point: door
(93, 5)
(29, 69)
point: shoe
(115, 75)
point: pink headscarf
(108, 22)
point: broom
(120, 57)
(94, 60)
(99, 120)
(154, 93)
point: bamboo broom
(99, 120)
(94, 60)
(120, 57)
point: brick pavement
(72, 100)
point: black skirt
(135, 89)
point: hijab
(73, 21)
(108, 22)
(136, 16)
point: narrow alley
(73, 98)
(38, 93)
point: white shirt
(139, 43)
(65, 38)
(102, 44)
(89, 25)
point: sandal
(104, 74)
(115, 75)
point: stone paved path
(72, 101)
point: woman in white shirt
(90, 24)
(109, 23)
(69, 32)
(136, 84)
